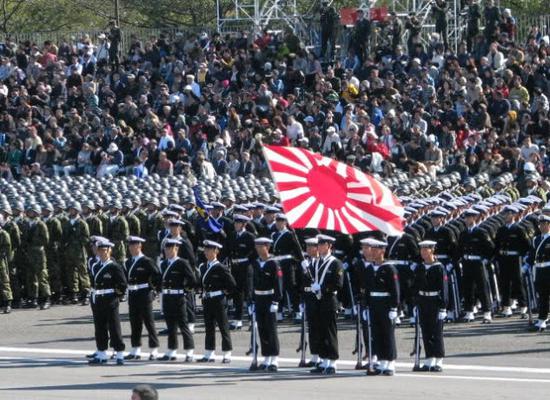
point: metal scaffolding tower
(423, 9)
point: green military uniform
(76, 235)
(153, 223)
(118, 232)
(55, 232)
(17, 228)
(34, 242)
(134, 225)
(104, 218)
(95, 225)
(5, 255)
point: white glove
(355, 309)
(449, 267)
(274, 308)
(415, 312)
(442, 315)
(413, 266)
(392, 314)
(302, 307)
(316, 287)
(250, 309)
(525, 268)
(365, 315)
(305, 264)
(345, 266)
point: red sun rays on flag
(320, 192)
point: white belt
(308, 289)
(340, 252)
(264, 292)
(282, 258)
(428, 294)
(509, 253)
(542, 265)
(173, 291)
(442, 256)
(101, 292)
(240, 260)
(380, 294)
(132, 288)
(209, 295)
(471, 257)
(397, 262)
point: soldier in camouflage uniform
(34, 242)
(134, 225)
(151, 225)
(76, 235)
(55, 232)
(17, 267)
(95, 225)
(6, 296)
(15, 240)
(118, 232)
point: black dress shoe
(374, 372)
(436, 368)
(254, 367)
(272, 368)
(188, 359)
(387, 372)
(262, 367)
(166, 358)
(92, 355)
(152, 357)
(119, 361)
(205, 360)
(310, 364)
(132, 357)
(97, 361)
(329, 371)
(421, 368)
(317, 370)
(226, 361)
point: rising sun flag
(320, 192)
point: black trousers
(383, 329)
(215, 313)
(542, 286)
(313, 314)
(325, 317)
(240, 273)
(406, 278)
(190, 306)
(140, 306)
(510, 282)
(175, 314)
(290, 290)
(107, 323)
(267, 326)
(432, 327)
(475, 281)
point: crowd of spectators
(204, 105)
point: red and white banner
(320, 192)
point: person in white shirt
(294, 130)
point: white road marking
(282, 360)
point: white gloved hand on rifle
(274, 307)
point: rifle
(359, 345)
(253, 343)
(497, 299)
(456, 294)
(370, 368)
(303, 338)
(417, 346)
(531, 294)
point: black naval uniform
(329, 274)
(265, 289)
(312, 307)
(402, 251)
(177, 278)
(430, 286)
(216, 282)
(381, 295)
(512, 244)
(108, 282)
(477, 248)
(241, 252)
(143, 276)
(539, 258)
(286, 250)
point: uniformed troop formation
(467, 248)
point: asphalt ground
(42, 357)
